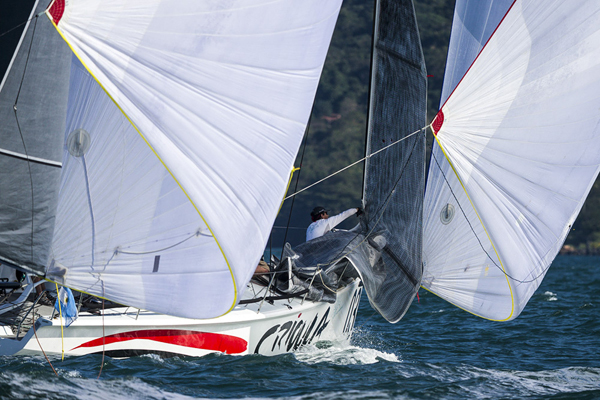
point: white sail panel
(520, 131)
(473, 23)
(221, 92)
(124, 229)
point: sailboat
(172, 151)
(180, 137)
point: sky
(14, 12)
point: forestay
(517, 150)
(220, 93)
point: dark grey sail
(33, 103)
(386, 247)
(394, 182)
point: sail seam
(235, 291)
(391, 52)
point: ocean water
(552, 351)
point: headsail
(518, 151)
(395, 177)
(33, 93)
(221, 93)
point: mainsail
(33, 93)
(394, 179)
(219, 94)
(386, 247)
(517, 149)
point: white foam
(342, 354)
(522, 383)
(69, 374)
(31, 386)
(550, 296)
(154, 357)
(335, 395)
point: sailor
(323, 223)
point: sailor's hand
(359, 211)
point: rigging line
(164, 248)
(356, 162)
(477, 237)
(89, 197)
(297, 180)
(383, 206)
(320, 272)
(339, 256)
(21, 133)
(41, 348)
(18, 26)
(103, 334)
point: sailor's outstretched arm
(337, 219)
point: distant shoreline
(589, 249)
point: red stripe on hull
(200, 340)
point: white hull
(278, 328)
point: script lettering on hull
(293, 334)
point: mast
(374, 37)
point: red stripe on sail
(480, 51)
(200, 340)
(56, 10)
(438, 122)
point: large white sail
(517, 151)
(220, 93)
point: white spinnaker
(123, 224)
(521, 132)
(221, 91)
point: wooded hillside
(337, 129)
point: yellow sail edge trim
(235, 297)
(83, 291)
(464, 309)
(512, 299)
(294, 169)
